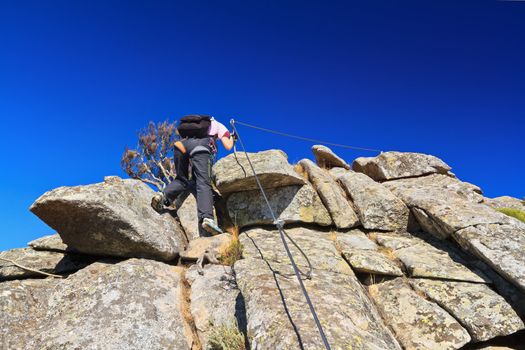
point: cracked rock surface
(417, 322)
(398, 254)
(111, 218)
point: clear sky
(79, 78)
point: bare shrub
(152, 160)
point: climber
(198, 145)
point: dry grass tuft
(226, 337)
(232, 252)
(373, 290)
(388, 252)
(420, 293)
(234, 231)
(333, 238)
(373, 236)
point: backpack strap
(199, 149)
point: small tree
(152, 160)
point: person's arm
(227, 142)
(223, 133)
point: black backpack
(194, 125)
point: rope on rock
(307, 138)
(308, 275)
(280, 226)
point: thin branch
(149, 171)
(166, 143)
(173, 175)
(30, 269)
(164, 172)
(159, 162)
(156, 181)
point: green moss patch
(515, 213)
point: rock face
(371, 262)
(112, 218)
(480, 310)
(50, 262)
(187, 214)
(364, 255)
(271, 166)
(319, 247)
(439, 184)
(278, 316)
(51, 243)
(106, 301)
(215, 300)
(377, 207)
(512, 294)
(431, 266)
(397, 165)
(443, 205)
(417, 323)
(214, 245)
(267, 283)
(21, 309)
(292, 204)
(421, 259)
(326, 158)
(500, 246)
(444, 211)
(355, 240)
(331, 194)
(505, 202)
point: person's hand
(235, 137)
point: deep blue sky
(79, 78)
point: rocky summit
(394, 251)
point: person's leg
(181, 159)
(201, 171)
(173, 190)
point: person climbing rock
(197, 147)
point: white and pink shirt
(218, 130)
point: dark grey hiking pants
(198, 152)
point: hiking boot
(211, 226)
(158, 202)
